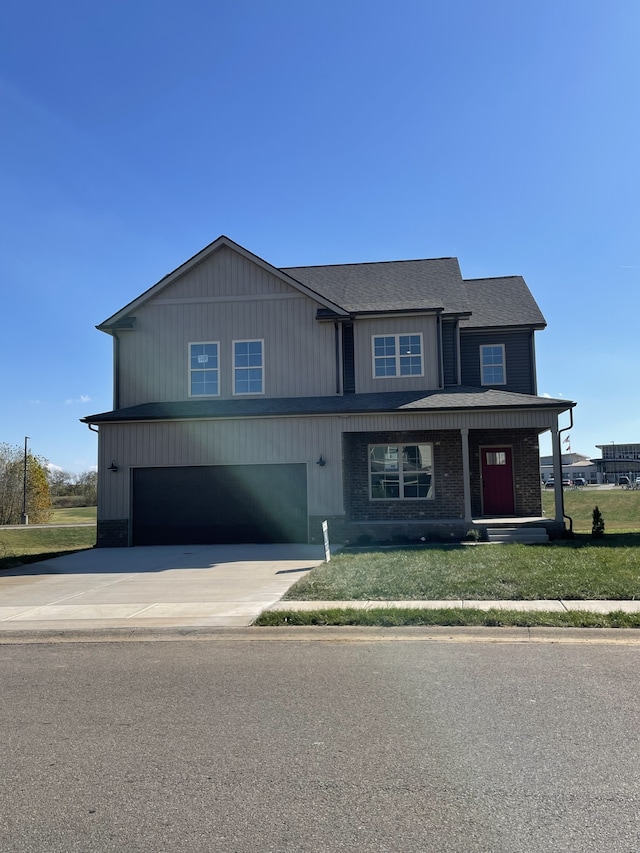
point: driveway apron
(168, 586)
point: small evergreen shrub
(597, 525)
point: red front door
(497, 481)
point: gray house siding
(299, 352)
(518, 357)
(364, 330)
(297, 440)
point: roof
(504, 301)
(450, 399)
(429, 284)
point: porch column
(466, 473)
(557, 472)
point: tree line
(46, 488)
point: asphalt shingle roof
(455, 398)
(434, 283)
(505, 301)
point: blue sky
(135, 133)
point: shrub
(597, 525)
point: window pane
(204, 382)
(496, 457)
(384, 346)
(417, 457)
(417, 485)
(385, 486)
(492, 360)
(401, 472)
(384, 458)
(410, 344)
(385, 367)
(410, 365)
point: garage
(217, 504)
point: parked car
(579, 481)
(623, 481)
(549, 484)
(566, 482)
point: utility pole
(25, 518)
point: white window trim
(233, 367)
(190, 369)
(400, 471)
(397, 336)
(504, 364)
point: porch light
(113, 467)
(322, 461)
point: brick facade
(113, 533)
(448, 502)
(526, 468)
(447, 478)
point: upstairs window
(492, 365)
(204, 370)
(248, 367)
(397, 355)
(401, 472)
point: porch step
(521, 535)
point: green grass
(620, 507)
(383, 617)
(31, 544)
(581, 568)
(74, 515)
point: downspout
(560, 431)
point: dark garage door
(219, 504)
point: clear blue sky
(134, 133)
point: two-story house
(251, 403)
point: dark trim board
(216, 504)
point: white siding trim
(198, 300)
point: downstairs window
(401, 472)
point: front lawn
(620, 507)
(31, 544)
(74, 515)
(582, 568)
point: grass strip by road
(30, 545)
(582, 568)
(384, 617)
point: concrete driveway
(168, 586)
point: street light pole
(25, 518)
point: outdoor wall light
(113, 467)
(322, 461)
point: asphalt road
(259, 741)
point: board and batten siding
(518, 344)
(450, 352)
(271, 440)
(365, 329)
(299, 352)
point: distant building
(573, 465)
(617, 460)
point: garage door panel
(220, 504)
